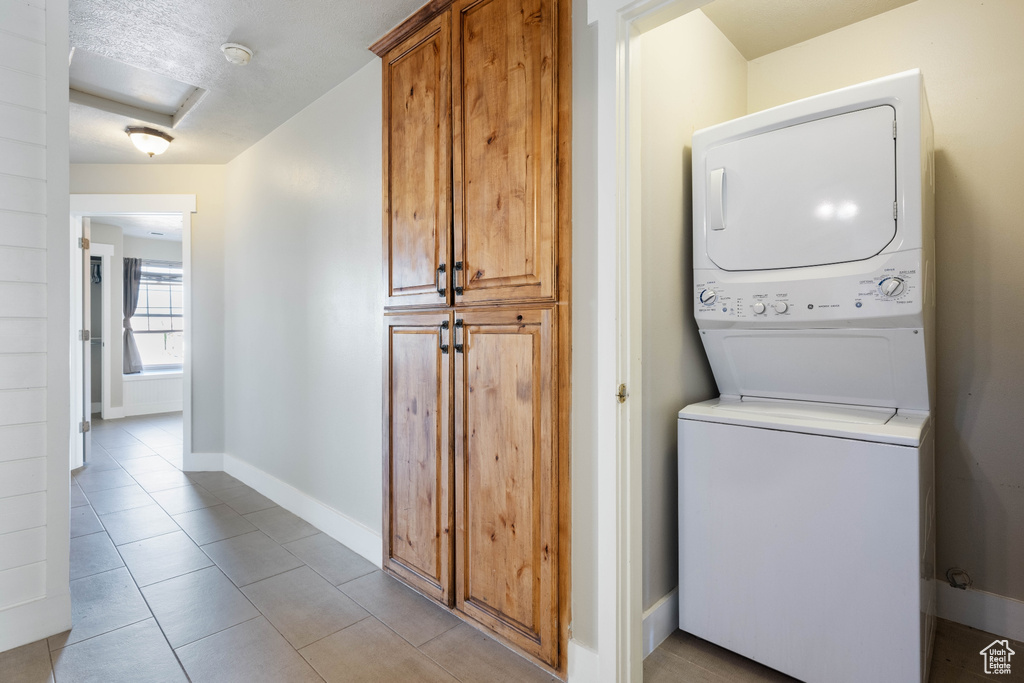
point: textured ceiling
(145, 224)
(302, 49)
(760, 27)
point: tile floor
(684, 657)
(201, 578)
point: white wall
(972, 57)
(34, 322)
(207, 184)
(158, 250)
(303, 302)
(692, 77)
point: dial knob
(893, 286)
(780, 306)
(758, 307)
(708, 297)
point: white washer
(806, 489)
(806, 536)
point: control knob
(708, 297)
(780, 306)
(758, 308)
(893, 286)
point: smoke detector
(236, 53)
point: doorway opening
(130, 350)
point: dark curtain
(132, 280)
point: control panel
(895, 288)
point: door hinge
(84, 426)
(83, 242)
(621, 395)
(84, 335)
(895, 211)
(894, 130)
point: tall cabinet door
(417, 464)
(506, 476)
(417, 167)
(504, 152)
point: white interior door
(86, 342)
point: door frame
(621, 25)
(106, 254)
(83, 205)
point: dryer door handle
(716, 200)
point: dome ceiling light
(236, 53)
(149, 140)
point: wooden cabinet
(477, 271)
(471, 182)
(417, 168)
(418, 519)
(505, 127)
(506, 476)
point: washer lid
(880, 425)
(803, 410)
(810, 194)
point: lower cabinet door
(506, 476)
(418, 506)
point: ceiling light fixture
(236, 53)
(149, 140)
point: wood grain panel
(504, 132)
(507, 477)
(418, 504)
(417, 159)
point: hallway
(198, 577)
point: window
(159, 316)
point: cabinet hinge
(83, 242)
(84, 335)
(84, 426)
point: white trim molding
(35, 620)
(202, 462)
(584, 663)
(989, 612)
(334, 523)
(661, 621)
(620, 24)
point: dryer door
(810, 194)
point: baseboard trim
(335, 524)
(584, 664)
(154, 408)
(202, 462)
(114, 413)
(989, 612)
(660, 621)
(32, 621)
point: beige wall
(692, 77)
(972, 56)
(207, 184)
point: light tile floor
(201, 578)
(684, 657)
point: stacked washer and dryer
(806, 489)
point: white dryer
(806, 489)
